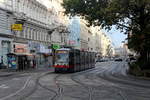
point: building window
(30, 34)
(26, 32)
(40, 35)
(36, 34)
(43, 36)
(23, 32)
(88, 39)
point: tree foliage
(133, 16)
(125, 14)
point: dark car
(118, 59)
(100, 60)
(132, 58)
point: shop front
(42, 53)
(44, 56)
(21, 59)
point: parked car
(100, 60)
(118, 59)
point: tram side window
(82, 58)
(86, 58)
(71, 58)
(78, 57)
(90, 58)
(92, 55)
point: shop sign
(56, 46)
(17, 27)
(21, 48)
(72, 42)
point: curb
(6, 75)
(139, 77)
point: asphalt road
(108, 81)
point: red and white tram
(73, 60)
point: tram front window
(62, 57)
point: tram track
(17, 92)
(104, 75)
(9, 78)
(33, 90)
(101, 79)
(116, 75)
(102, 70)
(59, 92)
(109, 75)
(19, 95)
(87, 87)
(56, 93)
(46, 88)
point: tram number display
(61, 52)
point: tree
(129, 16)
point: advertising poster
(12, 62)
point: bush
(135, 70)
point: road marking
(3, 86)
(16, 79)
(13, 94)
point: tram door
(71, 61)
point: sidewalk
(10, 72)
(6, 72)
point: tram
(73, 60)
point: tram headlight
(56, 64)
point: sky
(45, 2)
(116, 36)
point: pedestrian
(34, 62)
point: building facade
(39, 29)
(59, 21)
(6, 36)
(42, 24)
(74, 35)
